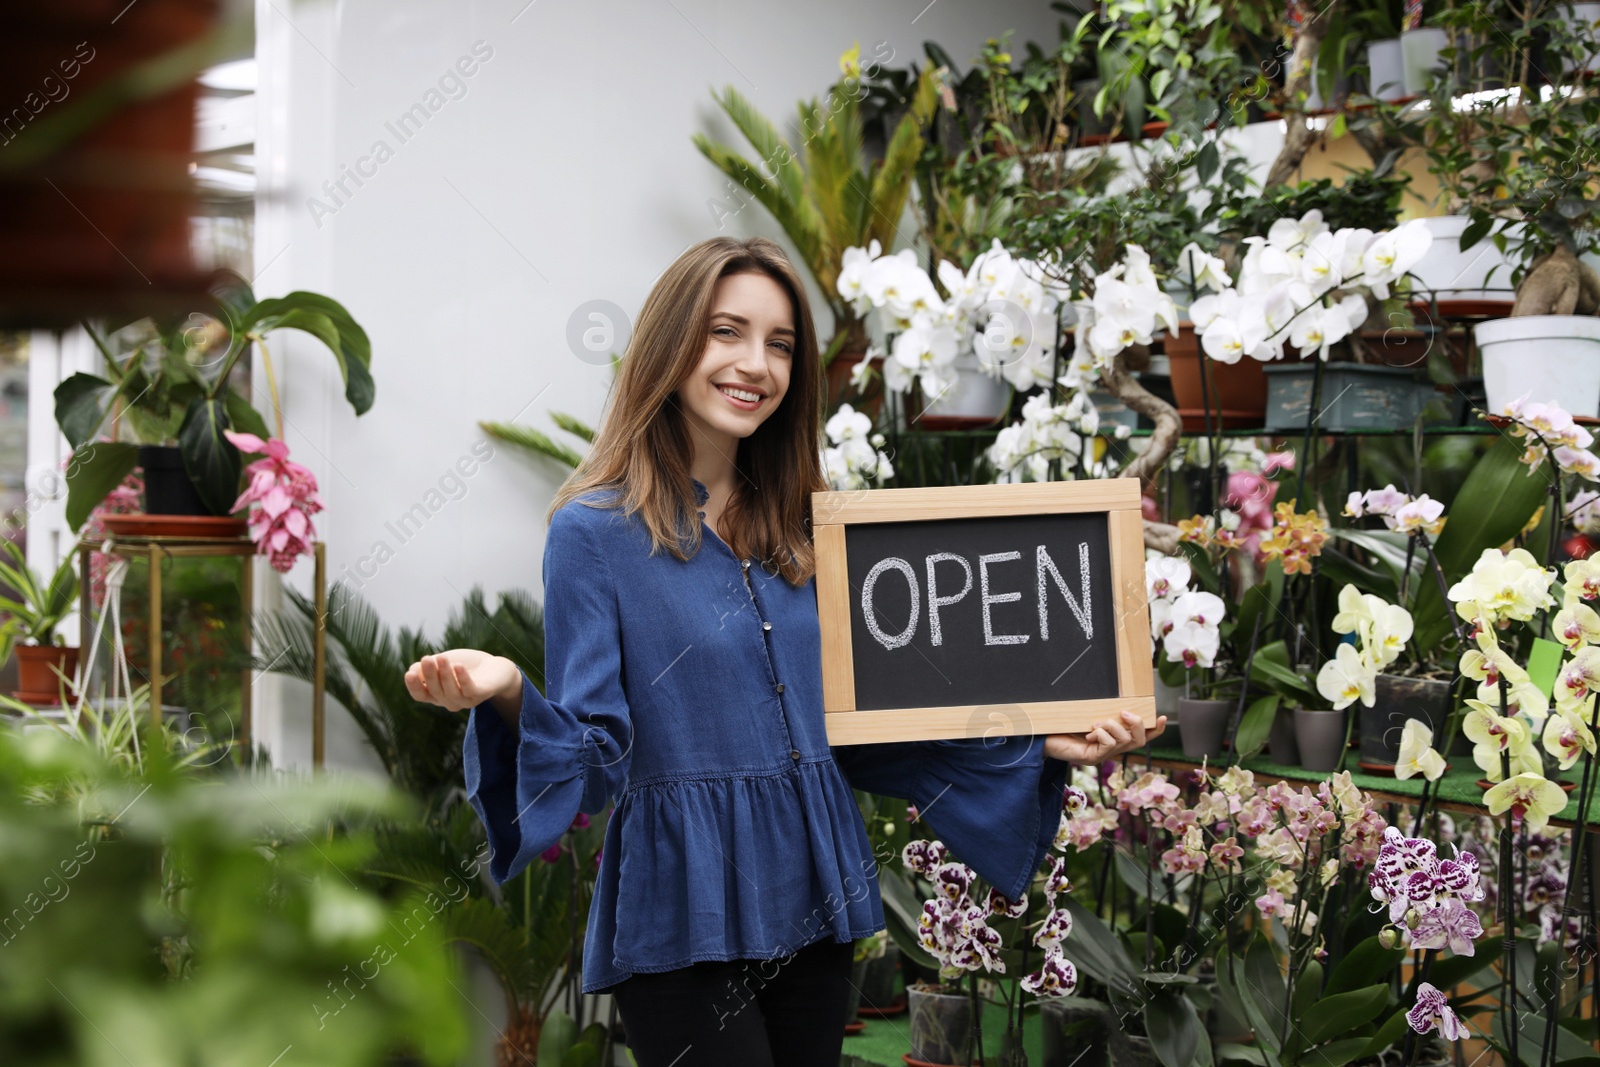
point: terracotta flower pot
(1203, 726)
(138, 524)
(1237, 391)
(1319, 733)
(36, 681)
(941, 1027)
(840, 390)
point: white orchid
(1202, 270)
(1417, 755)
(1347, 678)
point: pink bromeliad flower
(286, 495)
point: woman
(684, 681)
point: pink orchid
(286, 497)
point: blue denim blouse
(694, 702)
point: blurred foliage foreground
(159, 905)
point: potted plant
(866, 950)
(1185, 624)
(169, 397)
(1514, 166)
(1419, 691)
(991, 330)
(1306, 285)
(857, 205)
(33, 613)
(965, 929)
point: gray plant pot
(1320, 736)
(1281, 743)
(1131, 1050)
(941, 1026)
(877, 985)
(1076, 1032)
(1399, 698)
(858, 977)
(1203, 726)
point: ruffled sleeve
(995, 802)
(573, 745)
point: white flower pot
(975, 400)
(1386, 69)
(1419, 57)
(1585, 18)
(1548, 357)
(1448, 273)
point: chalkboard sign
(975, 610)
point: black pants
(784, 1012)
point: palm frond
(533, 440)
(576, 427)
(763, 137)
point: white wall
(564, 174)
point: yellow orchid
(1577, 625)
(1417, 755)
(1579, 676)
(1581, 580)
(1529, 797)
(1503, 585)
(1492, 734)
(1567, 737)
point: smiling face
(744, 371)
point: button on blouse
(735, 833)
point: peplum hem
(704, 869)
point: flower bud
(1413, 918)
(1389, 937)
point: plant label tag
(1543, 663)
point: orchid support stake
(977, 1020)
(1547, 1051)
(1506, 873)
(1244, 692)
(1312, 415)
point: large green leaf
(1271, 669)
(1367, 963)
(1494, 504)
(1570, 1048)
(1335, 1053)
(244, 418)
(96, 469)
(1449, 973)
(1263, 993)
(1174, 1029)
(1342, 1012)
(558, 1034)
(1389, 1034)
(211, 460)
(328, 321)
(81, 406)
(1096, 949)
(1256, 725)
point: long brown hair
(642, 451)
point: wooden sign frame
(1117, 498)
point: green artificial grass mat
(1458, 785)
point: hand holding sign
(1105, 741)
